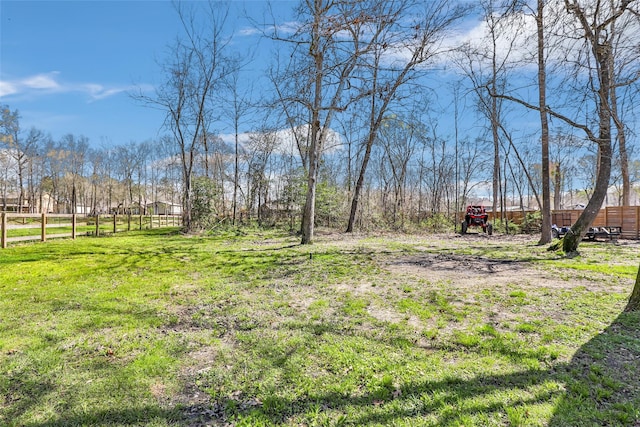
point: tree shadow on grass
(602, 381)
(598, 387)
(19, 392)
(135, 416)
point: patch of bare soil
(469, 270)
(450, 265)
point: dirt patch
(498, 291)
(462, 271)
(468, 270)
(456, 264)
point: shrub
(532, 223)
(437, 223)
(506, 227)
(203, 213)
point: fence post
(97, 225)
(73, 226)
(3, 234)
(43, 228)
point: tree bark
(374, 124)
(308, 217)
(620, 129)
(579, 229)
(634, 299)
(622, 148)
(545, 234)
(496, 154)
(557, 194)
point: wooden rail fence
(18, 227)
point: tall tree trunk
(20, 161)
(187, 203)
(73, 199)
(235, 176)
(367, 154)
(579, 229)
(545, 234)
(496, 154)
(310, 202)
(308, 217)
(440, 18)
(622, 148)
(495, 122)
(557, 194)
(634, 299)
(359, 183)
(620, 130)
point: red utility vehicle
(477, 216)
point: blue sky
(69, 66)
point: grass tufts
(248, 328)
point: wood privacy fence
(17, 227)
(626, 217)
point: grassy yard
(251, 329)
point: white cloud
(41, 81)
(230, 138)
(516, 41)
(51, 83)
(98, 92)
(285, 29)
(512, 42)
(7, 88)
(286, 141)
(249, 32)
(290, 27)
(35, 84)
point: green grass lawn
(251, 329)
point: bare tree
(541, 60)
(259, 149)
(407, 37)
(565, 148)
(332, 35)
(6, 177)
(73, 150)
(590, 52)
(596, 22)
(488, 63)
(545, 234)
(399, 140)
(194, 72)
(22, 148)
(625, 74)
(240, 107)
